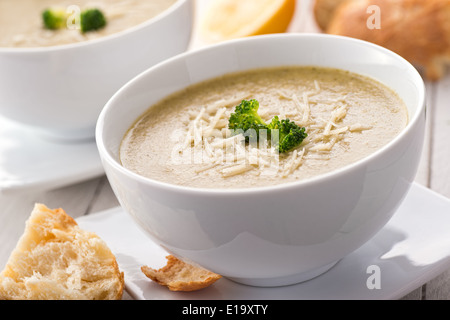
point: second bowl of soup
(57, 81)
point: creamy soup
(185, 139)
(21, 20)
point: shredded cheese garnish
(237, 169)
(228, 155)
(306, 109)
(336, 115)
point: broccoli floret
(246, 120)
(92, 19)
(290, 135)
(54, 18)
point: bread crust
(324, 10)
(56, 260)
(181, 276)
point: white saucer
(29, 161)
(413, 248)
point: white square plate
(413, 248)
(29, 161)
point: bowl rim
(98, 41)
(245, 191)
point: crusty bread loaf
(418, 30)
(180, 276)
(56, 260)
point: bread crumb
(181, 276)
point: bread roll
(418, 30)
(56, 260)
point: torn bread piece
(180, 276)
(56, 260)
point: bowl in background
(60, 90)
(279, 235)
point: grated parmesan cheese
(359, 127)
(235, 170)
(222, 149)
(336, 115)
(306, 109)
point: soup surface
(185, 139)
(21, 20)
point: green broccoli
(54, 18)
(290, 135)
(246, 120)
(92, 19)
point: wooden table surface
(94, 195)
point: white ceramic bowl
(61, 90)
(277, 235)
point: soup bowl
(274, 235)
(60, 90)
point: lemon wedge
(230, 19)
